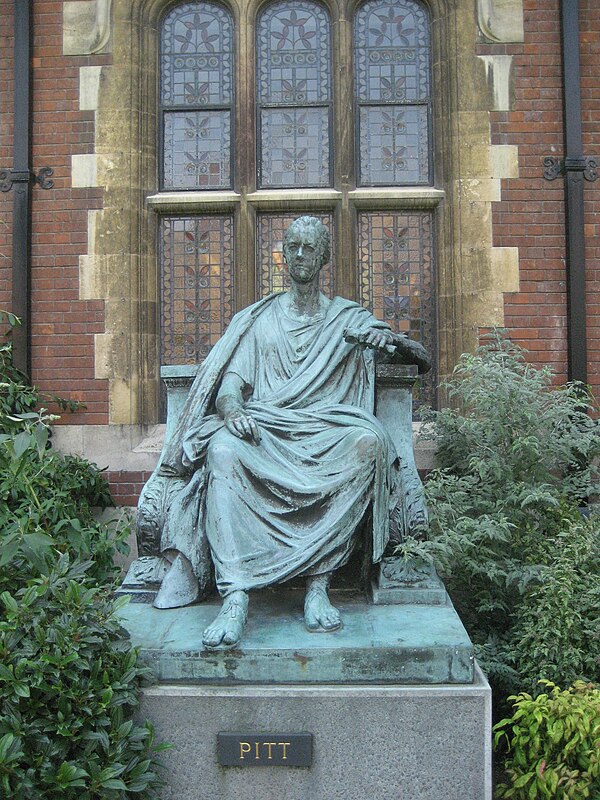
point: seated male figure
(277, 455)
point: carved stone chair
(394, 581)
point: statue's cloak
(291, 504)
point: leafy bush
(47, 499)
(68, 683)
(515, 463)
(69, 679)
(553, 743)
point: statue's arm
(410, 352)
(230, 405)
(394, 347)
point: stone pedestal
(375, 742)
(396, 706)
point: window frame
(345, 199)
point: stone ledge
(136, 448)
(384, 644)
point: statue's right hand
(242, 425)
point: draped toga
(290, 504)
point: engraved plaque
(264, 749)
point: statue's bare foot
(229, 624)
(319, 614)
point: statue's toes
(213, 636)
(331, 620)
(311, 622)
(232, 636)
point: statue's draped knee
(367, 444)
(221, 457)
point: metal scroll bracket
(554, 167)
(10, 176)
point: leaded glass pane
(294, 95)
(395, 253)
(295, 147)
(196, 285)
(196, 152)
(197, 55)
(294, 54)
(394, 145)
(392, 78)
(272, 273)
(392, 52)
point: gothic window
(391, 57)
(331, 117)
(294, 95)
(197, 97)
(196, 255)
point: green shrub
(69, 679)
(515, 462)
(68, 687)
(47, 503)
(553, 744)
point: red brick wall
(590, 101)
(6, 129)
(531, 215)
(126, 486)
(62, 326)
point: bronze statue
(277, 455)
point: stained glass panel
(295, 149)
(395, 252)
(196, 285)
(294, 54)
(197, 56)
(294, 95)
(392, 52)
(392, 78)
(394, 145)
(272, 274)
(196, 151)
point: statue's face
(303, 254)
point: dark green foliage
(553, 743)
(521, 563)
(68, 683)
(69, 678)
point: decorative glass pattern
(197, 56)
(394, 145)
(294, 47)
(392, 52)
(392, 78)
(395, 252)
(197, 96)
(197, 146)
(295, 148)
(271, 271)
(294, 95)
(196, 285)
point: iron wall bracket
(554, 167)
(10, 176)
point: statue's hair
(300, 224)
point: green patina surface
(393, 644)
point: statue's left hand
(242, 424)
(377, 338)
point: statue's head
(306, 248)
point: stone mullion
(245, 157)
(343, 148)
